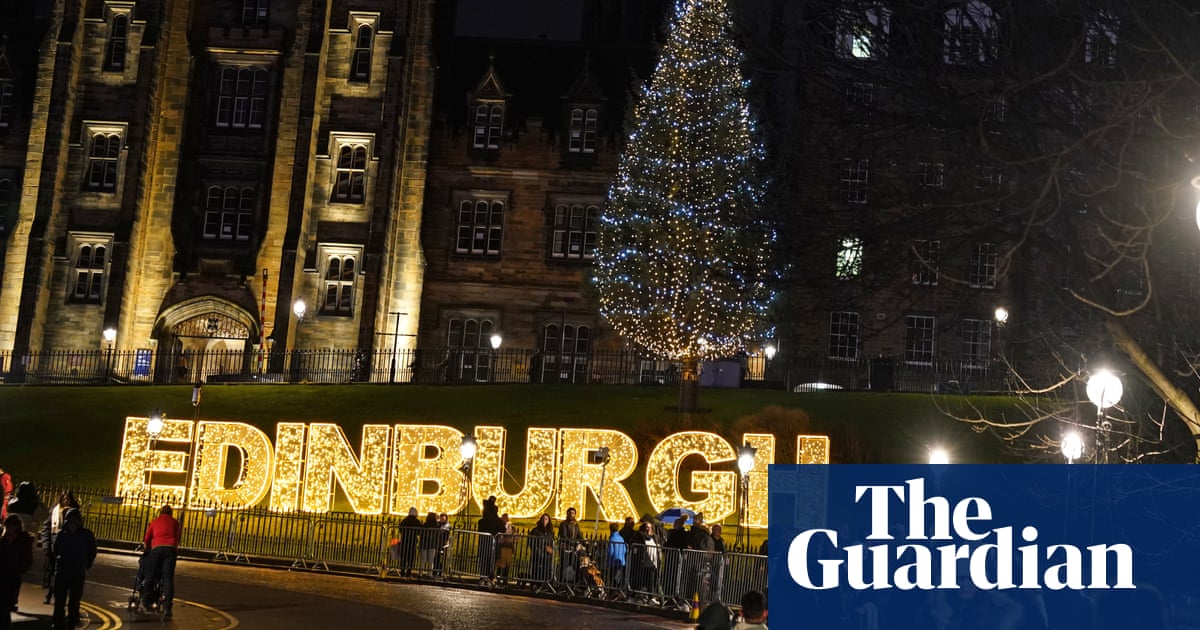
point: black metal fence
(592, 567)
(459, 366)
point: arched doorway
(206, 339)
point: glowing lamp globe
(1104, 389)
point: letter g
(798, 561)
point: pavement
(33, 613)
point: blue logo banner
(934, 547)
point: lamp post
(395, 343)
(599, 456)
(1072, 446)
(745, 463)
(299, 308)
(769, 353)
(154, 429)
(1104, 389)
(1001, 315)
(495, 340)
(938, 456)
(467, 450)
(110, 335)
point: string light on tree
(682, 266)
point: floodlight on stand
(745, 459)
(1072, 446)
(155, 426)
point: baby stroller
(589, 576)
(140, 594)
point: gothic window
(843, 335)
(118, 42)
(970, 34)
(104, 153)
(469, 346)
(351, 173)
(241, 102)
(575, 231)
(582, 131)
(479, 226)
(360, 59)
(563, 355)
(89, 265)
(7, 95)
(229, 213)
(340, 272)
(489, 123)
(254, 12)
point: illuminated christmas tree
(682, 262)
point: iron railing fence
(593, 567)
(458, 366)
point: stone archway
(206, 338)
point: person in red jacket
(162, 546)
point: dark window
(6, 104)
(103, 157)
(90, 259)
(229, 213)
(339, 285)
(350, 183)
(983, 266)
(843, 335)
(976, 342)
(583, 130)
(918, 339)
(470, 349)
(118, 40)
(564, 353)
(241, 103)
(926, 256)
(480, 227)
(360, 60)
(254, 12)
(575, 230)
(489, 122)
(854, 180)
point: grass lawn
(73, 434)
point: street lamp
(467, 450)
(1001, 315)
(154, 429)
(495, 340)
(769, 352)
(745, 463)
(110, 335)
(938, 456)
(1104, 389)
(1072, 446)
(395, 342)
(299, 308)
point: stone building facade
(176, 175)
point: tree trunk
(689, 385)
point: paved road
(223, 597)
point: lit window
(918, 339)
(575, 230)
(849, 259)
(582, 132)
(925, 262)
(843, 335)
(854, 180)
(351, 173)
(118, 42)
(360, 59)
(229, 213)
(241, 103)
(976, 342)
(254, 12)
(970, 35)
(103, 158)
(863, 34)
(489, 122)
(564, 354)
(89, 266)
(6, 104)
(480, 226)
(339, 284)
(1100, 44)
(931, 175)
(983, 266)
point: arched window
(229, 213)
(103, 158)
(90, 264)
(360, 59)
(480, 228)
(489, 123)
(565, 352)
(582, 131)
(254, 12)
(6, 104)
(241, 102)
(339, 284)
(575, 231)
(118, 40)
(350, 180)
(971, 34)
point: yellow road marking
(230, 620)
(109, 621)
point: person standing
(430, 538)
(16, 556)
(443, 544)
(489, 527)
(410, 530)
(162, 551)
(76, 549)
(541, 544)
(718, 542)
(6, 488)
(617, 549)
(49, 533)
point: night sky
(520, 19)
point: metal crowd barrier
(595, 568)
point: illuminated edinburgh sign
(405, 465)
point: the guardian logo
(948, 547)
